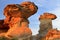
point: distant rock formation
(53, 34)
(45, 24)
(47, 15)
(17, 20)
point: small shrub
(3, 38)
(15, 38)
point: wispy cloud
(56, 22)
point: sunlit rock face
(47, 15)
(53, 34)
(25, 9)
(45, 24)
(16, 19)
(19, 30)
(29, 8)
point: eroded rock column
(45, 24)
(17, 19)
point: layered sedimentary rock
(19, 30)
(17, 19)
(53, 34)
(16, 23)
(47, 15)
(25, 9)
(45, 24)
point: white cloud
(34, 31)
(56, 22)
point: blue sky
(52, 6)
